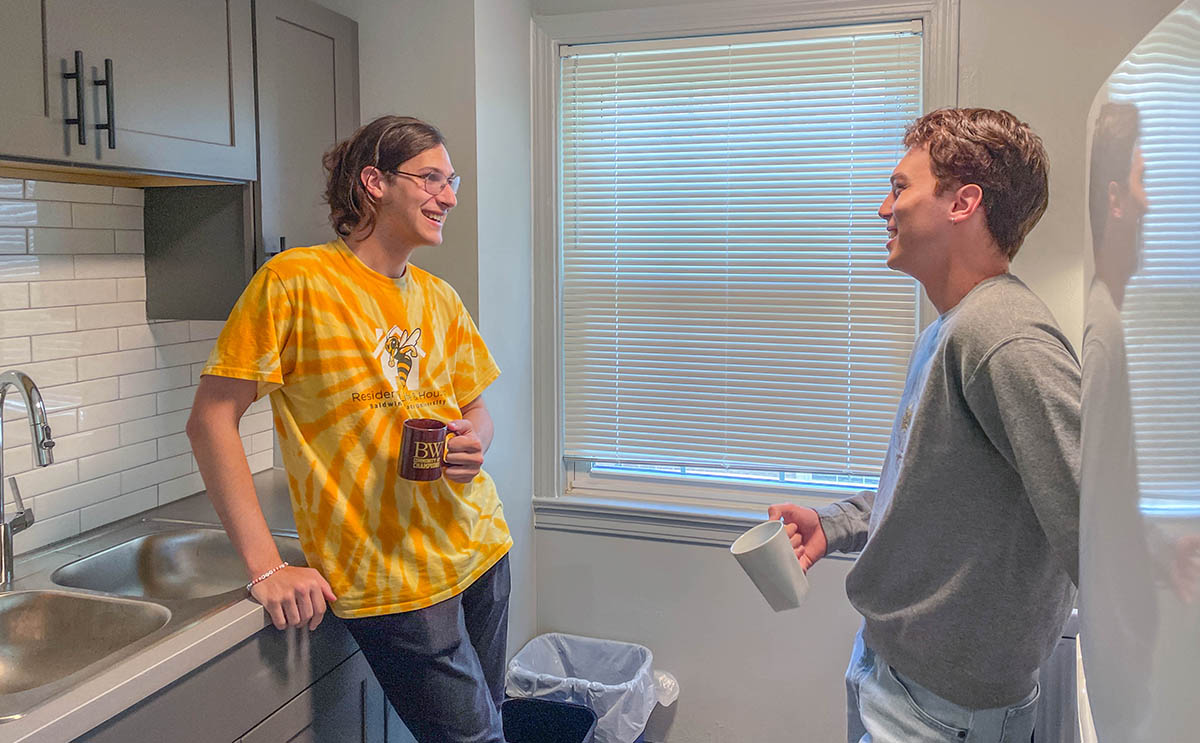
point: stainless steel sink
(48, 635)
(168, 566)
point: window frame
(710, 514)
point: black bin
(532, 720)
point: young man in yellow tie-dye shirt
(350, 340)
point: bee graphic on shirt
(399, 353)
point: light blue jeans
(884, 706)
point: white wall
(506, 271)
(117, 388)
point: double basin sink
(110, 605)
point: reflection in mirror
(1140, 510)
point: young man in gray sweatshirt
(970, 544)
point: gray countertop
(131, 679)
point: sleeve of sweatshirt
(845, 522)
(1025, 395)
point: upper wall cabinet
(307, 102)
(162, 86)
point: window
(726, 314)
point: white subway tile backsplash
(184, 353)
(110, 315)
(50, 191)
(261, 405)
(14, 296)
(153, 334)
(76, 292)
(172, 400)
(12, 240)
(77, 496)
(155, 381)
(14, 351)
(156, 472)
(39, 480)
(131, 290)
(36, 213)
(59, 240)
(117, 508)
(118, 388)
(109, 266)
(131, 241)
(83, 393)
(50, 373)
(117, 460)
(254, 423)
(35, 322)
(47, 531)
(36, 267)
(87, 443)
(83, 343)
(144, 429)
(11, 188)
(17, 459)
(116, 364)
(177, 443)
(262, 441)
(106, 216)
(263, 460)
(197, 370)
(112, 413)
(180, 487)
(129, 196)
(205, 329)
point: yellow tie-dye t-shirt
(347, 355)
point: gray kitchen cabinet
(346, 706)
(307, 61)
(180, 99)
(276, 686)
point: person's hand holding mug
(464, 452)
(804, 528)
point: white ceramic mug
(765, 553)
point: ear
(372, 180)
(967, 199)
(1115, 209)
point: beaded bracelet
(266, 575)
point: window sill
(653, 519)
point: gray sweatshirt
(970, 545)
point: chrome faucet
(42, 456)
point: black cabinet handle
(111, 125)
(282, 243)
(77, 76)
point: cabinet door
(346, 706)
(307, 58)
(182, 86)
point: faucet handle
(12, 484)
(23, 519)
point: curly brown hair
(384, 143)
(995, 151)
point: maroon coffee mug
(423, 449)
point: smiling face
(409, 213)
(918, 218)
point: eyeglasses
(434, 182)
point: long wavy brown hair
(384, 143)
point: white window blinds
(724, 296)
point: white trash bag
(614, 679)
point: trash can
(613, 679)
(532, 720)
